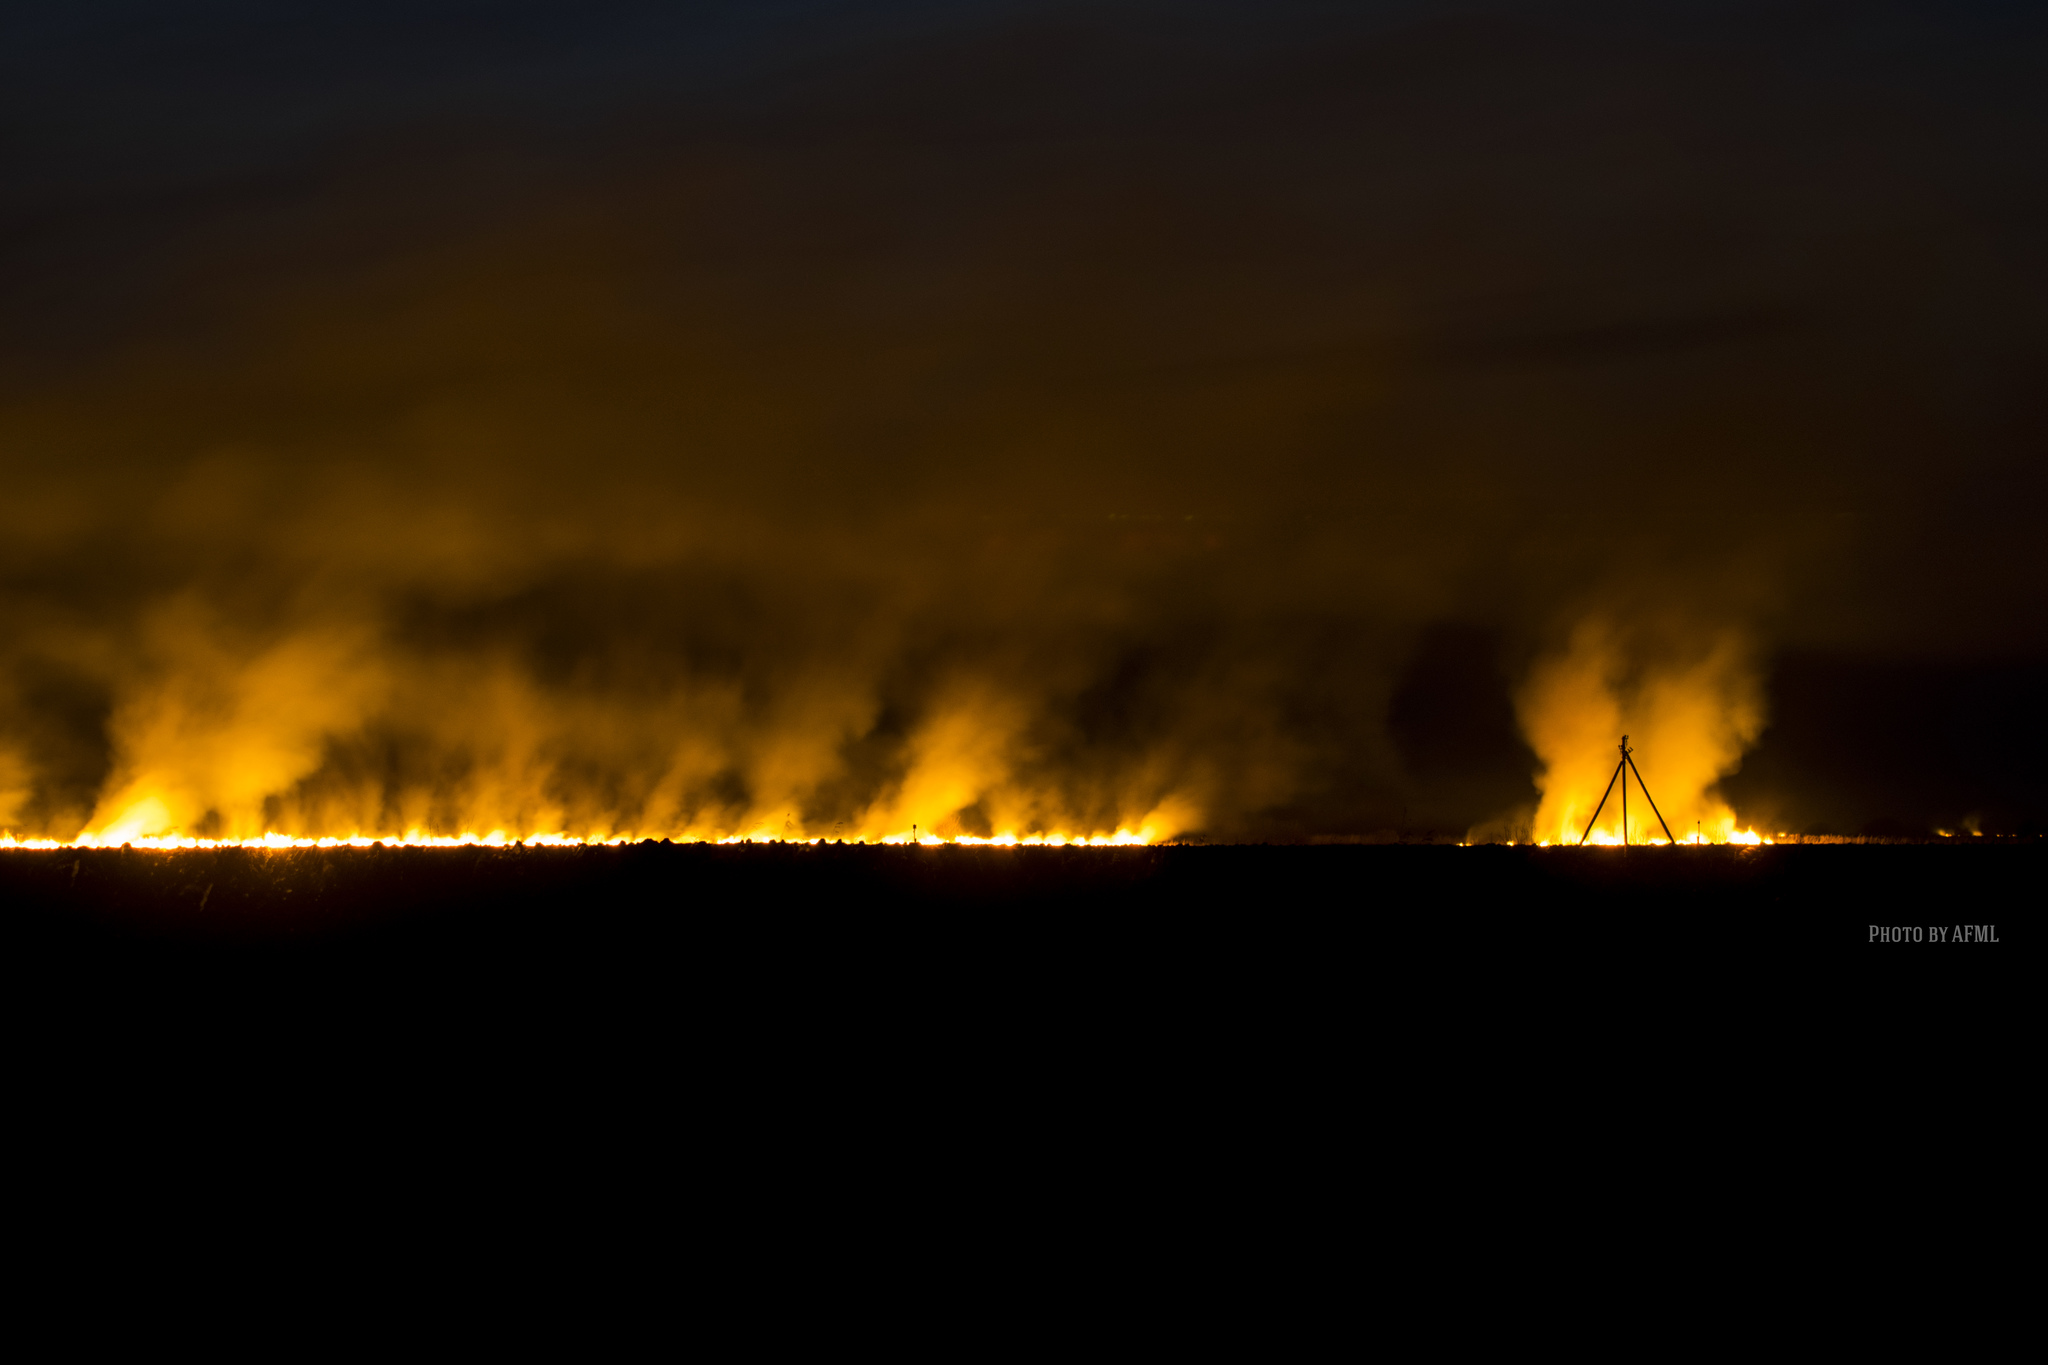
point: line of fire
(1616, 834)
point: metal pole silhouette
(1625, 751)
(1621, 772)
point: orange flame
(226, 747)
(1122, 838)
(1692, 706)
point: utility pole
(1621, 772)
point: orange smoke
(222, 740)
(1691, 704)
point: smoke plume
(1690, 703)
(821, 421)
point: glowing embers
(1697, 839)
(498, 838)
(411, 839)
(1123, 838)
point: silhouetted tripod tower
(1621, 772)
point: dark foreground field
(649, 911)
(1042, 1010)
(1804, 892)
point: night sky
(1252, 421)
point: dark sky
(1250, 418)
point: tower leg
(1649, 798)
(1602, 806)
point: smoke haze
(815, 419)
(1692, 698)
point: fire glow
(1123, 838)
(190, 777)
(1693, 698)
(1747, 838)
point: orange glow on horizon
(1122, 838)
(1602, 838)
